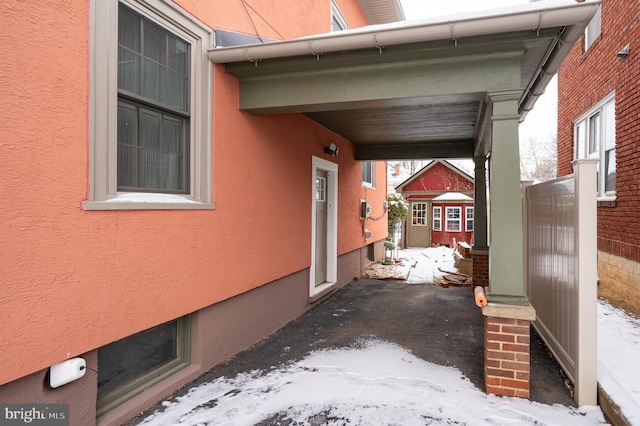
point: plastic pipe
(481, 299)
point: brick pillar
(480, 271)
(507, 349)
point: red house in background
(440, 205)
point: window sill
(147, 201)
(607, 201)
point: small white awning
(453, 196)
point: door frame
(412, 229)
(332, 226)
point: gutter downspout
(549, 67)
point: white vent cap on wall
(66, 371)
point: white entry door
(321, 227)
(324, 226)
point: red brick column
(480, 272)
(506, 356)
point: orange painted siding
(75, 280)
(278, 20)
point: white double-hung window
(437, 219)
(150, 115)
(595, 137)
(453, 219)
(368, 174)
(468, 212)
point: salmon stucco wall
(75, 280)
(282, 20)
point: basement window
(130, 365)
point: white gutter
(532, 16)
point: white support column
(586, 244)
(506, 269)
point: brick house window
(595, 137)
(592, 32)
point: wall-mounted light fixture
(332, 150)
(624, 52)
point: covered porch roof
(412, 89)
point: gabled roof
(431, 164)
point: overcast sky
(541, 122)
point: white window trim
(594, 26)
(446, 218)
(371, 184)
(337, 14)
(331, 230)
(433, 221)
(597, 108)
(103, 193)
(466, 219)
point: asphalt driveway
(436, 324)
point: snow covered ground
(380, 383)
(420, 265)
(619, 359)
(374, 383)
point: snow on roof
(529, 16)
(453, 196)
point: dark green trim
(408, 151)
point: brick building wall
(585, 78)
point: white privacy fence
(561, 269)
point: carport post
(508, 314)
(480, 250)
(506, 251)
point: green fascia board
(341, 80)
